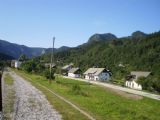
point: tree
(29, 66)
(22, 57)
(47, 74)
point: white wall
(73, 75)
(100, 77)
(132, 84)
(86, 77)
(17, 64)
(96, 78)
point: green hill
(5, 57)
(142, 54)
(139, 52)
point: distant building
(74, 72)
(13, 63)
(17, 64)
(97, 74)
(131, 81)
(66, 68)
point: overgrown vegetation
(8, 80)
(9, 97)
(101, 103)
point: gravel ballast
(31, 104)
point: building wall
(89, 77)
(17, 64)
(104, 76)
(101, 77)
(73, 75)
(132, 84)
(13, 63)
(86, 77)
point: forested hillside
(16, 50)
(139, 52)
(142, 53)
(5, 57)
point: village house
(74, 72)
(131, 81)
(97, 74)
(66, 68)
(16, 63)
(13, 63)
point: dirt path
(31, 104)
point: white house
(134, 75)
(74, 72)
(13, 63)
(97, 74)
(66, 68)
(17, 64)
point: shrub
(47, 74)
(76, 89)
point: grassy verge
(8, 106)
(8, 80)
(101, 103)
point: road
(30, 103)
(128, 90)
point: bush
(76, 89)
(47, 74)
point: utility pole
(51, 60)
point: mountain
(101, 37)
(138, 35)
(63, 48)
(136, 55)
(16, 50)
(5, 57)
(139, 52)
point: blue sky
(72, 22)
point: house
(74, 72)
(97, 74)
(17, 64)
(66, 68)
(131, 81)
(13, 63)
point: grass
(99, 102)
(9, 98)
(8, 79)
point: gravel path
(31, 104)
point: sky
(34, 22)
